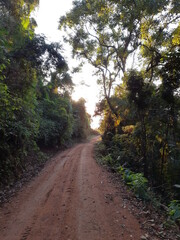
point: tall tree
(98, 34)
(107, 33)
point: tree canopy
(108, 33)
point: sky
(47, 16)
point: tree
(35, 88)
(17, 89)
(81, 127)
(98, 34)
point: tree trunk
(144, 147)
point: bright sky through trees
(47, 17)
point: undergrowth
(136, 182)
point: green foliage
(136, 181)
(101, 148)
(105, 33)
(81, 125)
(100, 151)
(108, 159)
(174, 210)
(35, 86)
(54, 125)
(139, 185)
(145, 136)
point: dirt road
(71, 199)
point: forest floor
(73, 198)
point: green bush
(108, 159)
(101, 148)
(136, 181)
(139, 185)
(54, 121)
(121, 150)
(127, 176)
(174, 210)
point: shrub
(139, 185)
(174, 210)
(136, 181)
(108, 159)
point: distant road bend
(71, 199)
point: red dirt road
(71, 199)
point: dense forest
(36, 109)
(134, 47)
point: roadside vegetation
(36, 109)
